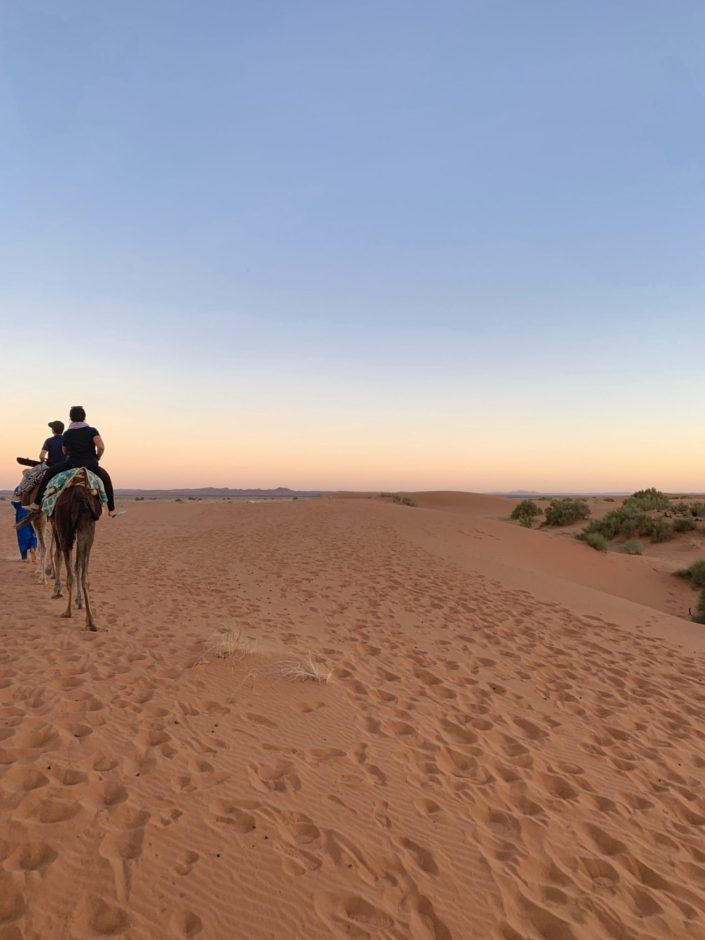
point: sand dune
(510, 745)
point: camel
(39, 524)
(75, 514)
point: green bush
(566, 511)
(662, 531)
(632, 547)
(697, 508)
(629, 523)
(596, 541)
(525, 512)
(648, 499)
(684, 524)
(400, 498)
(695, 574)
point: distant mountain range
(221, 492)
(523, 494)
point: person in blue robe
(26, 539)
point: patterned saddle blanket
(65, 479)
(31, 479)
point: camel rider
(52, 452)
(82, 447)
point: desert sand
(510, 744)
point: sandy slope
(510, 745)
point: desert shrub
(623, 521)
(697, 508)
(648, 499)
(609, 499)
(681, 508)
(525, 512)
(566, 511)
(629, 523)
(695, 574)
(596, 541)
(632, 547)
(400, 498)
(662, 531)
(684, 524)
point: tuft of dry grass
(227, 642)
(305, 671)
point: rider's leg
(108, 484)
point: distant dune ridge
(346, 717)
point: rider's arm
(99, 446)
(43, 454)
(65, 450)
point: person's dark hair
(57, 427)
(77, 413)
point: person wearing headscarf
(26, 538)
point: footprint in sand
(259, 720)
(185, 924)
(95, 916)
(279, 776)
(12, 903)
(351, 914)
(225, 812)
(187, 863)
(305, 708)
(419, 856)
(48, 810)
(121, 848)
(24, 779)
(30, 856)
(427, 807)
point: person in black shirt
(52, 451)
(82, 447)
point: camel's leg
(69, 580)
(50, 566)
(57, 565)
(85, 551)
(78, 567)
(39, 530)
(84, 541)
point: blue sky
(456, 220)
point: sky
(370, 245)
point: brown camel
(75, 513)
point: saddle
(75, 477)
(31, 480)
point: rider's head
(57, 427)
(77, 413)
